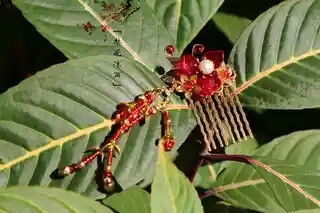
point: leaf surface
(295, 187)
(61, 22)
(277, 57)
(171, 191)
(183, 19)
(50, 119)
(132, 200)
(242, 185)
(46, 200)
(143, 30)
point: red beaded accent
(168, 143)
(140, 101)
(189, 85)
(203, 84)
(104, 28)
(170, 49)
(149, 96)
(197, 49)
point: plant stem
(237, 158)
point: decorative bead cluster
(203, 75)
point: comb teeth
(221, 119)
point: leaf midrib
(285, 180)
(77, 134)
(28, 202)
(167, 181)
(57, 142)
(179, 5)
(237, 185)
(124, 44)
(272, 69)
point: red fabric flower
(207, 80)
(207, 85)
(227, 74)
(188, 65)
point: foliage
(49, 119)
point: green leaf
(183, 19)
(132, 200)
(145, 31)
(50, 119)
(171, 191)
(295, 187)
(37, 199)
(277, 58)
(142, 38)
(242, 185)
(231, 25)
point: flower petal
(187, 65)
(208, 85)
(216, 56)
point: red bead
(139, 102)
(165, 115)
(170, 49)
(122, 114)
(122, 111)
(168, 143)
(197, 49)
(104, 28)
(149, 96)
(188, 86)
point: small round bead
(197, 49)
(109, 184)
(170, 49)
(64, 171)
(206, 66)
(82, 164)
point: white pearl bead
(206, 66)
